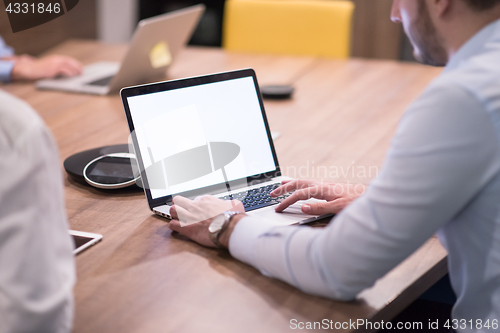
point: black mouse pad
(277, 91)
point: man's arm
(443, 154)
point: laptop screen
(201, 134)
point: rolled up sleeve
(6, 70)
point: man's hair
(482, 4)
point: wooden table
(141, 278)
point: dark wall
(209, 30)
(80, 22)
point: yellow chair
(296, 27)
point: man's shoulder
(479, 76)
(17, 121)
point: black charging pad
(75, 164)
(277, 91)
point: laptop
(153, 48)
(206, 135)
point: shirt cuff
(245, 236)
(6, 70)
(283, 252)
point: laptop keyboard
(101, 82)
(257, 197)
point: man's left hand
(192, 218)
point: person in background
(24, 67)
(441, 174)
(37, 269)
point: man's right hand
(337, 196)
(30, 68)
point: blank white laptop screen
(198, 136)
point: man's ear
(441, 7)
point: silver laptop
(153, 47)
(206, 135)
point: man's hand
(336, 196)
(30, 68)
(192, 218)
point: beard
(428, 46)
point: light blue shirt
(37, 266)
(5, 65)
(442, 174)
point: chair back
(295, 27)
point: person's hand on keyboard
(30, 68)
(192, 218)
(337, 196)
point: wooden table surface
(141, 278)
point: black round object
(75, 164)
(111, 171)
(277, 91)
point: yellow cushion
(296, 27)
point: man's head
(437, 28)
